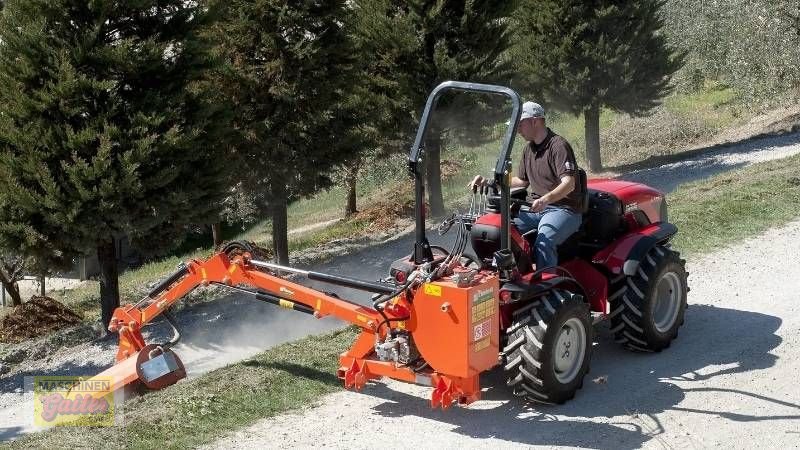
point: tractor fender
(525, 290)
(624, 255)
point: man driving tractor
(548, 166)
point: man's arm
(566, 186)
(518, 182)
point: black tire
(530, 351)
(639, 320)
(232, 248)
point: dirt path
(669, 176)
(313, 226)
(728, 381)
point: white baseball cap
(531, 109)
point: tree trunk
(592, 128)
(216, 233)
(280, 239)
(109, 279)
(433, 172)
(42, 287)
(351, 178)
(12, 289)
(9, 273)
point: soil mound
(384, 214)
(36, 317)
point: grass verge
(710, 214)
(720, 211)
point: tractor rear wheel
(647, 308)
(549, 345)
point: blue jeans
(554, 224)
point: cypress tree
(101, 135)
(287, 68)
(430, 41)
(582, 56)
(376, 108)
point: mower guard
(154, 366)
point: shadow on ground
(624, 411)
(16, 382)
(7, 433)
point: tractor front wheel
(549, 345)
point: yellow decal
(203, 271)
(286, 291)
(401, 325)
(361, 318)
(232, 268)
(481, 345)
(319, 304)
(482, 311)
(434, 290)
(286, 304)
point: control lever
(473, 203)
(484, 195)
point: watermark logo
(72, 401)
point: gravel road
(716, 160)
(729, 381)
(235, 327)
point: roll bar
(502, 169)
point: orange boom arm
(237, 271)
(438, 334)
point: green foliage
(285, 70)
(751, 45)
(99, 135)
(720, 211)
(583, 56)
(577, 55)
(421, 43)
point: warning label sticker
(483, 309)
(432, 289)
(481, 345)
(482, 296)
(481, 330)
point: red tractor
(619, 266)
(443, 316)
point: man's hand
(477, 182)
(539, 204)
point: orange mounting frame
(356, 366)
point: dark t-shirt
(543, 166)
